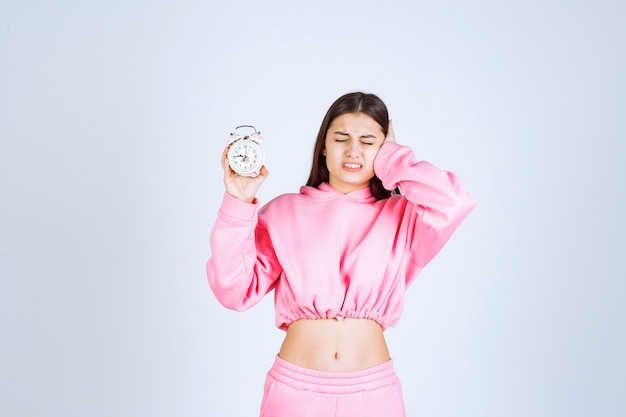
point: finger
(225, 164)
(391, 136)
(225, 160)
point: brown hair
(356, 102)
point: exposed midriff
(335, 345)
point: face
(352, 142)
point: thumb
(391, 136)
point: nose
(353, 150)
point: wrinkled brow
(368, 136)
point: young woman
(339, 255)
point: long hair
(356, 102)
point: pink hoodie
(328, 254)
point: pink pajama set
(327, 254)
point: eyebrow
(368, 136)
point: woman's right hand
(239, 186)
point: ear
(324, 152)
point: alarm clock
(246, 155)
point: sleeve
(437, 201)
(243, 267)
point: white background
(113, 116)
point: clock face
(244, 157)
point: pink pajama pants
(292, 391)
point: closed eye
(344, 137)
(368, 139)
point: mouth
(352, 166)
